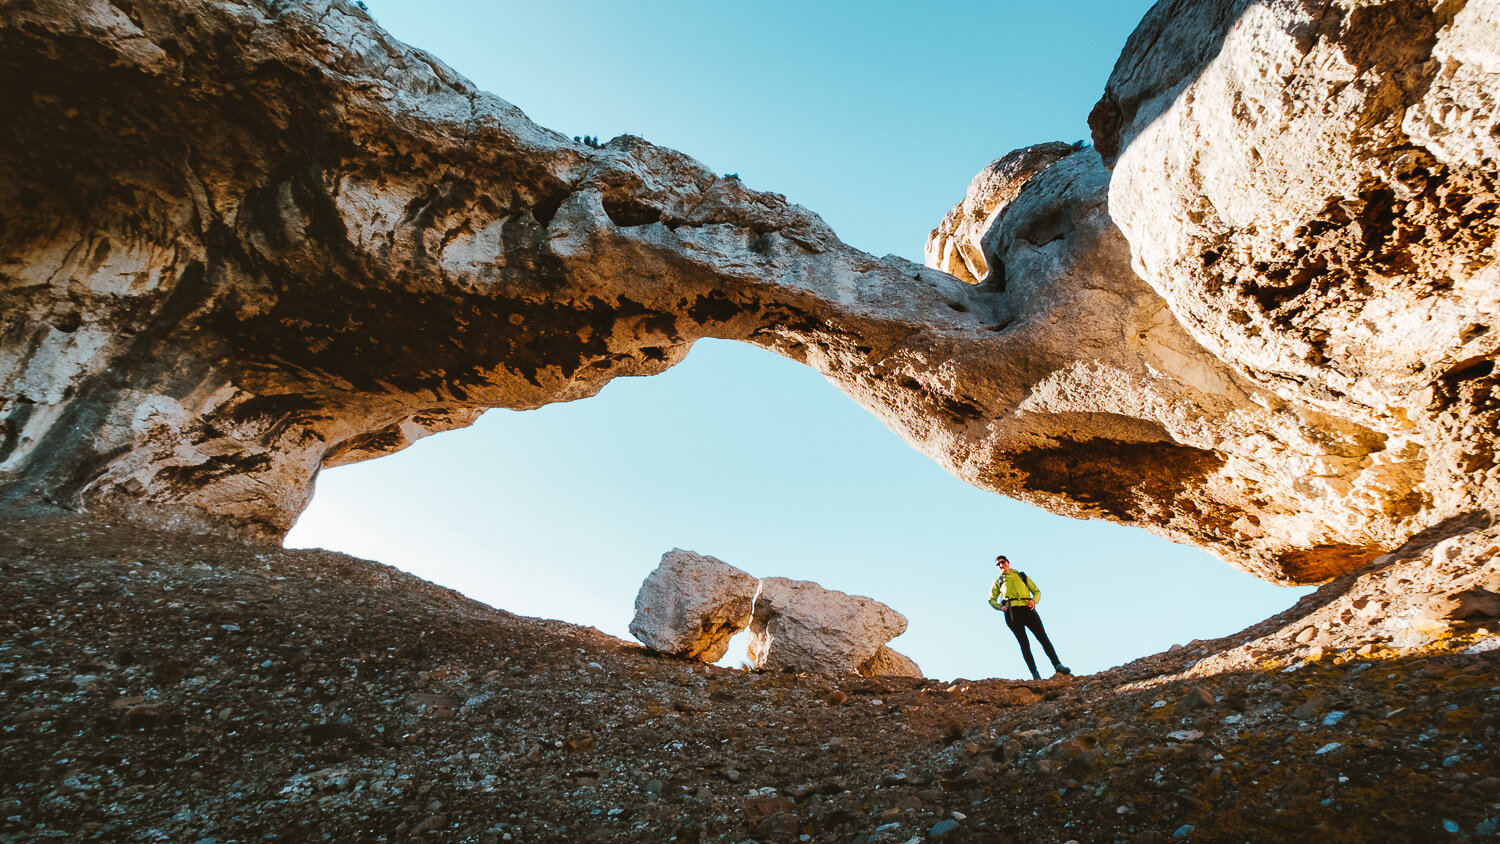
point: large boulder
(801, 626)
(690, 605)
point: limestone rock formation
(691, 605)
(1312, 188)
(888, 663)
(242, 241)
(955, 245)
(801, 626)
(1295, 483)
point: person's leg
(1018, 627)
(1033, 621)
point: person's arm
(1036, 594)
(995, 593)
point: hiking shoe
(1063, 669)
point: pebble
(1012, 750)
(1183, 831)
(1328, 748)
(942, 827)
(1308, 710)
(779, 825)
(1198, 698)
(1332, 718)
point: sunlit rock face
(955, 245)
(691, 605)
(799, 625)
(1312, 188)
(1325, 379)
(240, 242)
(1111, 408)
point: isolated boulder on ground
(691, 605)
(801, 626)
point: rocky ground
(170, 687)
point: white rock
(691, 605)
(801, 626)
(1289, 178)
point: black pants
(1023, 618)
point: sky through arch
(874, 115)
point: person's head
(1002, 563)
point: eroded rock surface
(955, 245)
(1226, 135)
(889, 663)
(690, 605)
(245, 241)
(242, 241)
(799, 625)
(1309, 188)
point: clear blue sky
(874, 115)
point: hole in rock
(561, 512)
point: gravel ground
(173, 687)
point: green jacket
(1017, 589)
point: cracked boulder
(691, 605)
(801, 626)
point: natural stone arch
(243, 242)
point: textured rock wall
(241, 241)
(1312, 188)
(1351, 396)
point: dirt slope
(170, 687)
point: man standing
(1015, 595)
